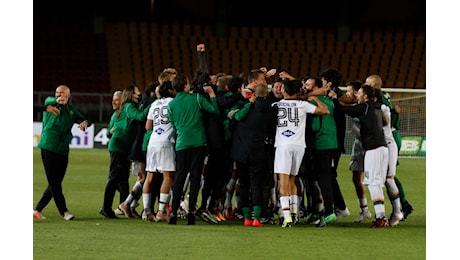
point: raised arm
(200, 48)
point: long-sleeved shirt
(57, 129)
(370, 117)
(125, 127)
(185, 114)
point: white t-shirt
(292, 119)
(163, 133)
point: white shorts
(288, 159)
(392, 158)
(357, 157)
(160, 159)
(376, 166)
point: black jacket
(254, 135)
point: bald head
(374, 81)
(62, 94)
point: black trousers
(216, 174)
(252, 179)
(118, 179)
(323, 172)
(55, 165)
(188, 161)
(339, 201)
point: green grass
(90, 236)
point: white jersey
(391, 143)
(292, 120)
(163, 133)
(387, 128)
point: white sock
(128, 200)
(228, 199)
(137, 188)
(163, 201)
(285, 206)
(146, 201)
(362, 202)
(133, 203)
(378, 200)
(294, 203)
(394, 195)
(230, 185)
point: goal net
(413, 121)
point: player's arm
(354, 110)
(316, 92)
(321, 109)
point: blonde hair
(376, 79)
(165, 75)
(261, 90)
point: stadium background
(96, 47)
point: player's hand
(200, 47)
(270, 73)
(53, 110)
(83, 125)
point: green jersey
(57, 129)
(232, 115)
(125, 127)
(185, 114)
(324, 128)
(145, 142)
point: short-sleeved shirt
(163, 133)
(292, 118)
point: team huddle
(269, 151)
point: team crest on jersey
(159, 131)
(288, 133)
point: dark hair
(235, 83)
(378, 95)
(179, 82)
(150, 88)
(200, 79)
(292, 87)
(149, 94)
(356, 84)
(278, 79)
(369, 91)
(332, 75)
(316, 79)
(166, 88)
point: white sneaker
(395, 219)
(67, 216)
(118, 211)
(363, 215)
(340, 214)
(184, 205)
(287, 222)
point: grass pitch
(90, 236)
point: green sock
(257, 210)
(246, 213)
